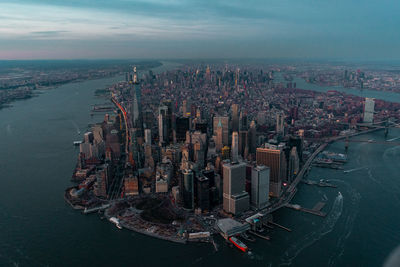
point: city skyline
(192, 29)
(199, 132)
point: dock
(315, 211)
(260, 236)
(320, 184)
(91, 210)
(214, 244)
(280, 226)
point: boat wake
(355, 169)
(329, 223)
(78, 131)
(349, 217)
(392, 139)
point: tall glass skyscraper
(136, 108)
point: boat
(116, 222)
(77, 143)
(239, 244)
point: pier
(320, 183)
(260, 236)
(91, 210)
(280, 226)
(315, 211)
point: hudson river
(37, 228)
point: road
(288, 195)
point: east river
(37, 227)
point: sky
(168, 29)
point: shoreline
(144, 232)
(130, 227)
(42, 89)
(287, 197)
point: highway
(126, 124)
(288, 195)
(118, 183)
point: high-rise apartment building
(369, 108)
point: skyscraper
(186, 105)
(182, 126)
(243, 121)
(243, 142)
(136, 107)
(294, 164)
(260, 186)
(163, 125)
(166, 122)
(219, 135)
(235, 198)
(252, 137)
(203, 192)
(187, 188)
(235, 117)
(147, 136)
(235, 146)
(224, 122)
(369, 106)
(280, 128)
(273, 157)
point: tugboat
(239, 244)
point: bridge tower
(386, 128)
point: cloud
(149, 28)
(175, 20)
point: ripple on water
(349, 217)
(328, 225)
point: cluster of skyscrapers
(204, 161)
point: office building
(187, 188)
(131, 186)
(280, 126)
(222, 121)
(252, 137)
(219, 137)
(136, 105)
(243, 124)
(243, 143)
(186, 108)
(203, 192)
(235, 146)
(260, 186)
(147, 136)
(235, 198)
(235, 117)
(182, 126)
(163, 125)
(294, 164)
(273, 157)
